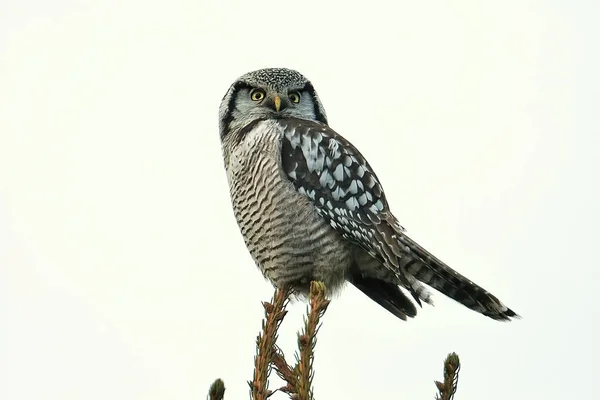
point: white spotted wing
(332, 173)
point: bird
(310, 207)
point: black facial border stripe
(311, 90)
(228, 117)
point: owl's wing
(332, 173)
(345, 191)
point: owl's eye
(294, 97)
(257, 94)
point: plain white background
(122, 271)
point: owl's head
(269, 93)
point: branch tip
(217, 390)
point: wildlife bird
(310, 207)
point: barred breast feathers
(287, 238)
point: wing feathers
(345, 191)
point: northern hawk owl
(310, 207)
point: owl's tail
(425, 267)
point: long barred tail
(428, 269)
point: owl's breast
(286, 237)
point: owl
(310, 207)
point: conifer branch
(299, 378)
(285, 372)
(307, 340)
(265, 344)
(450, 384)
(217, 390)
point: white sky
(122, 271)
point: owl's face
(270, 93)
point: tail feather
(424, 266)
(386, 294)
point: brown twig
(217, 390)
(265, 344)
(307, 340)
(285, 372)
(299, 378)
(451, 369)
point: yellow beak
(277, 101)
